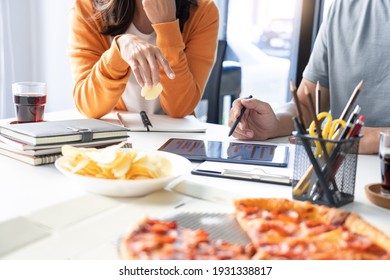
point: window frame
(308, 19)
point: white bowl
(128, 188)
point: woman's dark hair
(118, 14)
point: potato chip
(113, 163)
(122, 165)
(150, 93)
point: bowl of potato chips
(119, 172)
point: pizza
(277, 228)
(161, 240)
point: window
(260, 35)
(272, 40)
(33, 43)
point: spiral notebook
(38, 159)
(142, 122)
(32, 160)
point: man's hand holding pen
(238, 119)
(258, 122)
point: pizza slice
(290, 229)
(161, 240)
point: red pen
(357, 127)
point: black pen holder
(325, 178)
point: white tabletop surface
(44, 216)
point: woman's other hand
(144, 59)
(159, 11)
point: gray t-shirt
(353, 45)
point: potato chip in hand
(150, 93)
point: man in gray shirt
(352, 45)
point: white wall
(39, 34)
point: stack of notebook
(41, 142)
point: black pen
(318, 98)
(145, 120)
(243, 109)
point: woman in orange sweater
(119, 46)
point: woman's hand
(144, 59)
(259, 121)
(159, 11)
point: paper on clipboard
(276, 175)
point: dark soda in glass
(30, 106)
(385, 171)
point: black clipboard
(274, 175)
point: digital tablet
(235, 152)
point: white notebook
(158, 123)
(63, 131)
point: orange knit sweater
(100, 74)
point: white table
(42, 216)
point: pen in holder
(330, 182)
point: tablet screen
(252, 153)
